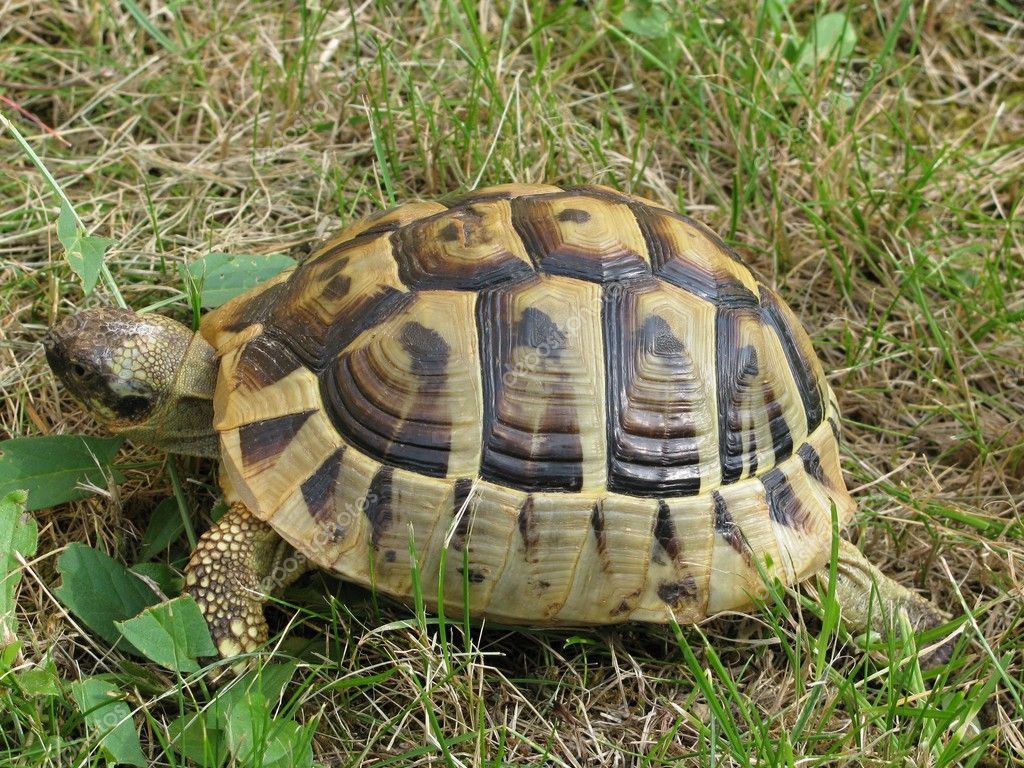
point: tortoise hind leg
(870, 599)
(236, 565)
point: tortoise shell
(572, 406)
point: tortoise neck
(185, 422)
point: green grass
(878, 187)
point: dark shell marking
(652, 446)
(782, 438)
(726, 527)
(665, 533)
(463, 511)
(495, 244)
(575, 215)
(265, 361)
(265, 440)
(810, 390)
(528, 527)
(812, 464)
(473, 575)
(784, 505)
(318, 490)
(377, 505)
(255, 311)
(597, 526)
(429, 353)
(514, 453)
(675, 593)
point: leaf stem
(179, 495)
(108, 278)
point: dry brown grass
(891, 224)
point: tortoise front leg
(236, 565)
(869, 599)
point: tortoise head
(145, 376)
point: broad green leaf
(166, 579)
(295, 742)
(650, 22)
(52, 467)
(100, 591)
(173, 634)
(202, 737)
(67, 227)
(832, 37)
(41, 680)
(248, 725)
(108, 716)
(8, 655)
(224, 276)
(84, 252)
(192, 737)
(267, 681)
(88, 259)
(656, 28)
(165, 525)
(256, 738)
(17, 536)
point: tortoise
(553, 406)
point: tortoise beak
(73, 352)
(55, 345)
(59, 344)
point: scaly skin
(868, 599)
(146, 377)
(236, 565)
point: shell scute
(470, 247)
(544, 553)
(759, 411)
(502, 192)
(334, 296)
(407, 390)
(379, 222)
(659, 366)
(582, 236)
(543, 400)
(240, 319)
(689, 256)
